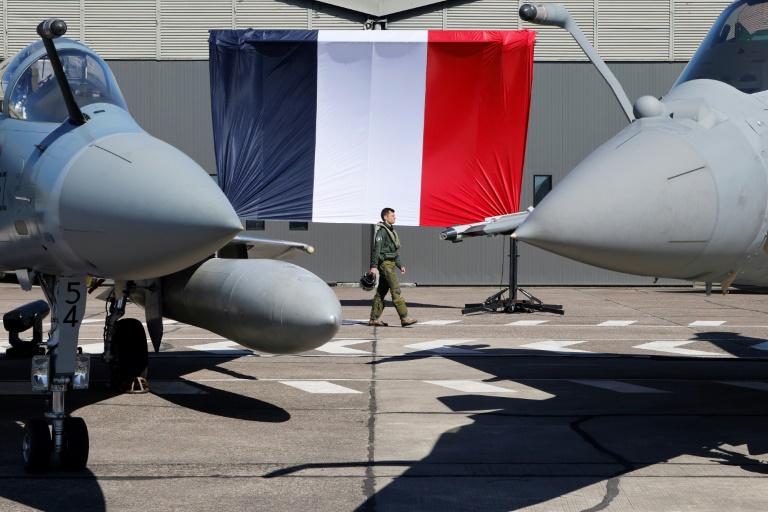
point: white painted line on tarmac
(706, 323)
(470, 386)
(438, 322)
(617, 323)
(101, 321)
(619, 387)
(557, 346)
(529, 322)
(760, 346)
(340, 347)
(190, 338)
(318, 386)
(223, 347)
(760, 386)
(93, 348)
(672, 347)
(442, 346)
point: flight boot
(377, 322)
(405, 322)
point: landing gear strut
(125, 347)
(57, 368)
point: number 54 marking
(71, 316)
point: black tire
(74, 451)
(37, 446)
(129, 345)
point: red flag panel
(478, 95)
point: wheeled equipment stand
(497, 302)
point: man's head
(388, 215)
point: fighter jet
(682, 191)
(87, 195)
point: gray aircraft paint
(264, 304)
(681, 195)
(102, 199)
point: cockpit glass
(735, 48)
(36, 95)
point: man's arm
(378, 242)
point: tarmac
(636, 399)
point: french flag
(333, 126)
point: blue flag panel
(264, 107)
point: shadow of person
(389, 304)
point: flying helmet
(367, 281)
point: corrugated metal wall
(572, 113)
(644, 30)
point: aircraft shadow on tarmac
(522, 452)
(82, 488)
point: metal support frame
(56, 411)
(116, 312)
(512, 304)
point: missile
(491, 226)
(265, 305)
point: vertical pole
(512, 268)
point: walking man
(385, 257)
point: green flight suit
(386, 257)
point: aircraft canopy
(734, 49)
(30, 90)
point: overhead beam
(380, 7)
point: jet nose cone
(644, 203)
(134, 207)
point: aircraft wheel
(37, 446)
(130, 348)
(74, 452)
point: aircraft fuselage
(662, 198)
(682, 192)
(102, 198)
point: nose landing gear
(57, 368)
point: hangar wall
(635, 30)
(572, 113)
